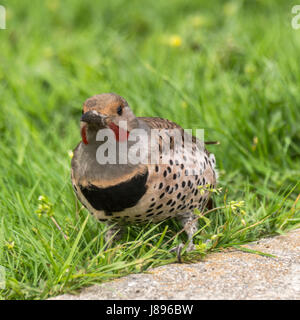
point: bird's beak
(93, 117)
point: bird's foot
(179, 248)
(112, 235)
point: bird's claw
(178, 250)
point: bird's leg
(190, 225)
(114, 233)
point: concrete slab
(223, 275)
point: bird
(124, 191)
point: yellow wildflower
(10, 245)
(175, 41)
(70, 153)
(255, 142)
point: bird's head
(106, 110)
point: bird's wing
(161, 123)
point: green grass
(235, 73)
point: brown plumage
(139, 192)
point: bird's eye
(119, 110)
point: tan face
(108, 104)
(107, 110)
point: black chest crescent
(118, 197)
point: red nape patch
(120, 134)
(83, 135)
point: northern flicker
(125, 191)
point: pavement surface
(224, 275)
